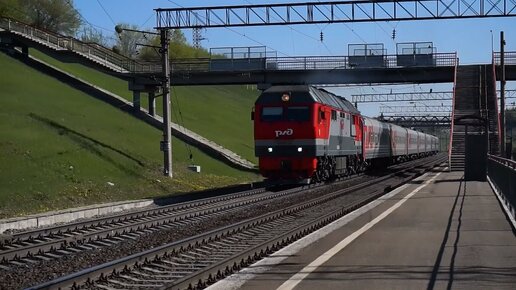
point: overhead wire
(181, 122)
(147, 20)
(86, 20)
(107, 13)
(298, 31)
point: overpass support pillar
(25, 51)
(136, 101)
(152, 104)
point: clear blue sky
(470, 38)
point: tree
(54, 15)
(151, 53)
(127, 40)
(90, 34)
(178, 48)
(12, 9)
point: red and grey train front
(285, 133)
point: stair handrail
(453, 114)
(507, 162)
(496, 105)
(100, 52)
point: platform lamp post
(166, 143)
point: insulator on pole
(322, 36)
(393, 34)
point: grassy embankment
(219, 113)
(61, 148)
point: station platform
(437, 232)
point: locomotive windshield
(272, 114)
(299, 114)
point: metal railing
(510, 57)
(452, 119)
(92, 51)
(313, 63)
(502, 173)
(123, 64)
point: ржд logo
(287, 132)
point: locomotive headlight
(269, 149)
(299, 149)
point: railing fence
(502, 173)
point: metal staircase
(81, 52)
(474, 96)
(492, 110)
(466, 102)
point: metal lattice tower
(197, 32)
(197, 37)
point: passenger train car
(305, 134)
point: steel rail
(104, 220)
(115, 269)
(128, 227)
(97, 234)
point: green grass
(219, 113)
(59, 148)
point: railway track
(200, 260)
(55, 242)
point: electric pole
(166, 145)
(502, 95)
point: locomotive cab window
(333, 115)
(322, 115)
(272, 114)
(300, 114)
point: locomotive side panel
(340, 141)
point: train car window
(298, 114)
(272, 114)
(333, 115)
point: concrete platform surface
(438, 232)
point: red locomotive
(305, 134)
